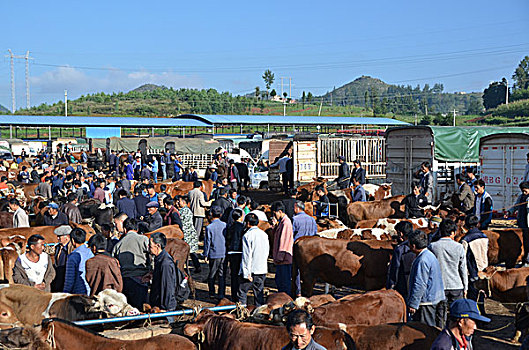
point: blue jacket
(426, 281)
(127, 206)
(483, 204)
(304, 225)
(359, 194)
(446, 340)
(163, 287)
(215, 240)
(129, 171)
(399, 269)
(75, 278)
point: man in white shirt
(20, 218)
(255, 248)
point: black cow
(91, 208)
(244, 175)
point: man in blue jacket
(426, 291)
(482, 205)
(75, 278)
(163, 287)
(401, 260)
(215, 252)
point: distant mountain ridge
(382, 97)
(149, 87)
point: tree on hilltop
(521, 74)
(268, 78)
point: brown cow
(32, 305)
(372, 308)
(390, 207)
(341, 262)
(8, 319)
(367, 223)
(508, 286)
(8, 257)
(307, 192)
(409, 336)
(178, 250)
(181, 188)
(44, 231)
(505, 245)
(225, 333)
(170, 231)
(6, 219)
(66, 336)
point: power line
(332, 65)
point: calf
(225, 333)
(178, 250)
(44, 231)
(508, 286)
(341, 262)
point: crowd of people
(434, 273)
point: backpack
(182, 286)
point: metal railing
(152, 316)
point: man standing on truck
(343, 173)
(358, 173)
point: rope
(13, 324)
(495, 330)
(51, 336)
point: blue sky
(87, 47)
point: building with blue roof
(182, 125)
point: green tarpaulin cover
(461, 144)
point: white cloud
(77, 82)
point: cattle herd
(352, 249)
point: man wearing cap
(461, 325)
(343, 173)
(53, 217)
(154, 218)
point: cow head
(194, 330)
(304, 304)
(8, 318)
(114, 304)
(483, 283)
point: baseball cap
(53, 205)
(216, 210)
(341, 157)
(152, 205)
(63, 230)
(466, 308)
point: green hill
(373, 93)
(3, 110)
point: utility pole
(454, 111)
(13, 94)
(13, 102)
(506, 92)
(27, 80)
(290, 87)
(65, 103)
(426, 108)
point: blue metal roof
(290, 120)
(73, 121)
